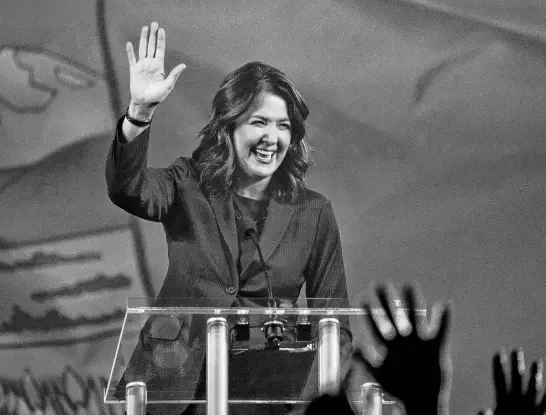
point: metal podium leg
(329, 359)
(217, 366)
(372, 400)
(135, 398)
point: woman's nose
(271, 134)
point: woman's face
(261, 139)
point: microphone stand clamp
(273, 331)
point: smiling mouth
(263, 156)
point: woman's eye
(285, 126)
(258, 122)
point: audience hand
(416, 367)
(511, 397)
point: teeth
(264, 153)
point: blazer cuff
(123, 150)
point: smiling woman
(261, 141)
(248, 168)
(256, 133)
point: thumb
(175, 73)
(364, 360)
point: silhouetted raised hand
(416, 367)
(512, 398)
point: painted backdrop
(428, 132)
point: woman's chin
(262, 174)
(262, 171)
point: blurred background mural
(427, 119)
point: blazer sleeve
(325, 274)
(142, 191)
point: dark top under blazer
(300, 241)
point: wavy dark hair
(215, 158)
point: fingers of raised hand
(499, 378)
(517, 370)
(152, 41)
(384, 295)
(142, 46)
(377, 325)
(176, 71)
(539, 381)
(533, 385)
(412, 297)
(390, 319)
(535, 388)
(160, 49)
(130, 54)
(440, 322)
(393, 318)
(381, 326)
(401, 313)
(539, 386)
(369, 362)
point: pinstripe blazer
(300, 241)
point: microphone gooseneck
(249, 231)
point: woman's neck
(256, 190)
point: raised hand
(415, 367)
(511, 397)
(148, 83)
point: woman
(250, 163)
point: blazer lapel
(275, 225)
(225, 217)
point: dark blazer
(300, 241)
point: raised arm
(145, 192)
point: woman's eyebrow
(263, 117)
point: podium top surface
(240, 306)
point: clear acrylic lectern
(258, 351)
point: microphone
(273, 328)
(248, 228)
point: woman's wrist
(137, 119)
(141, 112)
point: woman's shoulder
(185, 166)
(183, 162)
(312, 198)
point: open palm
(512, 396)
(416, 367)
(148, 83)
